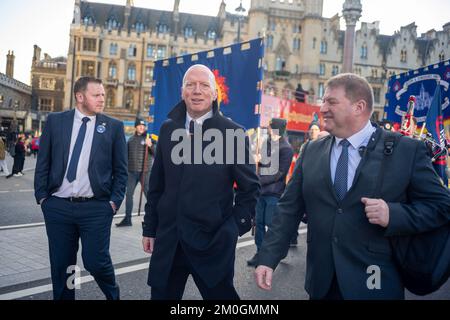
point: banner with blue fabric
(238, 71)
(420, 83)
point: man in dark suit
(80, 179)
(192, 216)
(349, 221)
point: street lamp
(240, 11)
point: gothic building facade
(119, 44)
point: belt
(79, 199)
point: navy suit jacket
(107, 164)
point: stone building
(15, 100)
(48, 77)
(119, 44)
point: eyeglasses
(190, 86)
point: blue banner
(238, 71)
(420, 83)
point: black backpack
(423, 260)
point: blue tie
(341, 176)
(73, 165)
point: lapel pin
(101, 128)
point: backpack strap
(390, 141)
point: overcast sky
(46, 23)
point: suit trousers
(181, 269)
(133, 179)
(66, 222)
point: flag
(238, 72)
(420, 83)
(435, 127)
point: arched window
(162, 28)
(364, 51)
(270, 41)
(296, 44)
(132, 50)
(131, 72)
(88, 20)
(129, 100)
(442, 56)
(113, 49)
(111, 98)
(112, 24)
(188, 33)
(280, 64)
(140, 27)
(403, 55)
(323, 47)
(112, 70)
(314, 43)
(211, 35)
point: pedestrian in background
(3, 164)
(139, 147)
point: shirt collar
(200, 120)
(79, 116)
(360, 137)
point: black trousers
(66, 223)
(181, 269)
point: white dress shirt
(81, 186)
(358, 140)
(198, 121)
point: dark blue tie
(73, 165)
(341, 176)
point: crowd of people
(194, 213)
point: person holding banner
(193, 217)
(138, 168)
(351, 212)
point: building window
(112, 70)
(188, 33)
(376, 94)
(140, 27)
(314, 43)
(148, 74)
(89, 44)
(150, 51)
(161, 53)
(162, 28)
(2, 98)
(88, 20)
(132, 51)
(403, 55)
(131, 72)
(113, 49)
(297, 28)
(129, 100)
(364, 51)
(322, 69)
(45, 104)
(296, 45)
(110, 98)
(147, 101)
(374, 73)
(88, 68)
(297, 69)
(272, 26)
(280, 64)
(321, 90)
(270, 41)
(335, 70)
(441, 56)
(323, 47)
(211, 35)
(112, 24)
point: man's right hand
(147, 244)
(263, 277)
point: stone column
(352, 12)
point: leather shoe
(124, 223)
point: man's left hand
(113, 206)
(148, 142)
(377, 211)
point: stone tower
(352, 12)
(10, 64)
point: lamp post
(240, 11)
